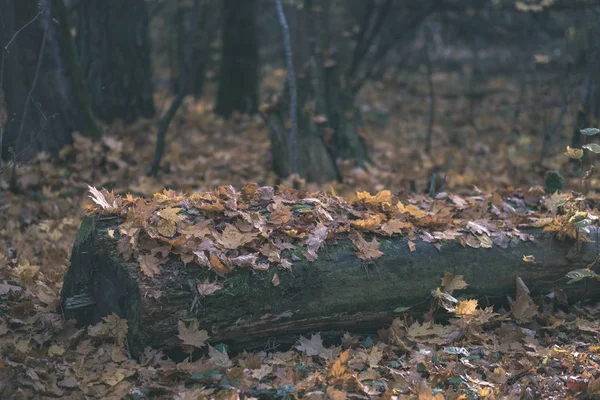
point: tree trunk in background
(238, 81)
(314, 159)
(328, 120)
(208, 27)
(44, 92)
(114, 53)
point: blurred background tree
(130, 54)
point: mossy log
(336, 292)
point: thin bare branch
(287, 44)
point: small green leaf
(589, 131)
(593, 147)
(580, 274)
(401, 309)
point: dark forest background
(428, 74)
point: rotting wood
(336, 292)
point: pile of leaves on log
(226, 229)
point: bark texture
(328, 120)
(114, 52)
(238, 82)
(42, 84)
(336, 292)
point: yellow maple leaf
(372, 222)
(383, 198)
(410, 210)
(466, 307)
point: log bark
(336, 292)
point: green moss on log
(338, 290)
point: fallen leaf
(365, 250)
(191, 335)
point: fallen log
(338, 291)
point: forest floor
(44, 356)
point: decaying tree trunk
(336, 292)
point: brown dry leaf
(524, 309)
(336, 394)
(220, 268)
(149, 265)
(410, 210)
(191, 335)
(411, 246)
(275, 280)
(232, 238)
(208, 288)
(338, 370)
(55, 350)
(316, 239)
(383, 198)
(396, 226)
(124, 248)
(115, 327)
(219, 358)
(215, 207)
(417, 330)
(166, 227)
(365, 250)
(451, 282)
(170, 214)
(312, 347)
(472, 241)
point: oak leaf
(149, 265)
